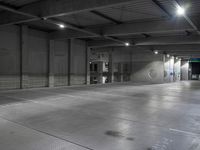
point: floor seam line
(46, 133)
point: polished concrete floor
(104, 117)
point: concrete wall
(37, 59)
(78, 62)
(28, 59)
(147, 67)
(9, 57)
(122, 64)
(60, 66)
(131, 64)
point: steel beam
(152, 41)
(153, 27)
(166, 26)
(168, 40)
(183, 47)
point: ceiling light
(168, 55)
(177, 58)
(62, 26)
(180, 11)
(127, 44)
(156, 52)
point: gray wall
(78, 62)
(142, 66)
(31, 48)
(29, 59)
(147, 67)
(60, 66)
(38, 59)
(9, 57)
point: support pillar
(111, 67)
(69, 60)
(121, 73)
(24, 57)
(51, 63)
(87, 69)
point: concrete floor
(104, 117)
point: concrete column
(70, 44)
(184, 70)
(51, 63)
(100, 72)
(87, 69)
(121, 72)
(111, 67)
(24, 56)
(190, 71)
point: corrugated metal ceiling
(18, 3)
(138, 10)
(84, 19)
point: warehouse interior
(99, 74)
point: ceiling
(145, 19)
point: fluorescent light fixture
(62, 26)
(127, 44)
(156, 52)
(180, 11)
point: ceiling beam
(69, 34)
(168, 40)
(103, 43)
(183, 47)
(162, 47)
(56, 8)
(138, 28)
(166, 26)
(152, 41)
